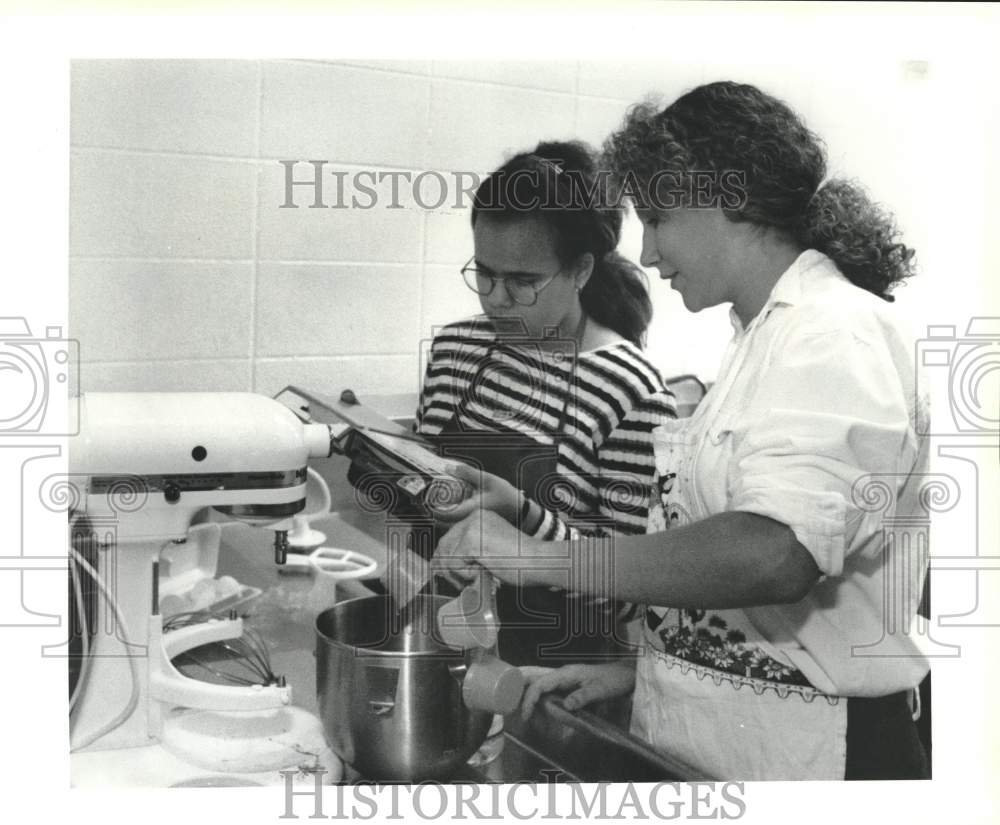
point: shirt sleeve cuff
(818, 519)
(550, 528)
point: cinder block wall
(185, 273)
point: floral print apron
(710, 690)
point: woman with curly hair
(776, 637)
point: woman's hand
(484, 539)
(586, 683)
(489, 492)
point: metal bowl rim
(443, 652)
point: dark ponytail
(617, 295)
(558, 183)
(730, 128)
(861, 238)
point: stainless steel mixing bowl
(390, 698)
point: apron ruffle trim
(758, 686)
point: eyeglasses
(522, 287)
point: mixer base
(202, 748)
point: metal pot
(391, 699)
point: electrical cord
(327, 505)
(133, 664)
(300, 533)
(81, 614)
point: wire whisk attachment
(242, 661)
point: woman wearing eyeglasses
(547, 399)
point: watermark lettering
(521, 800)
(523, 190)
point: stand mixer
(144, 466)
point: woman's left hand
(483, 539)
(581, 684)
(489, 492)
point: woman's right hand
(484, 539)
(486, 492)
(586, 683)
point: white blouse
(814, 422)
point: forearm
(728, 560)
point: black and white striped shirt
(607, 407)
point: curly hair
(558, 183)
(737, 132)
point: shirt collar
(787, 291)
